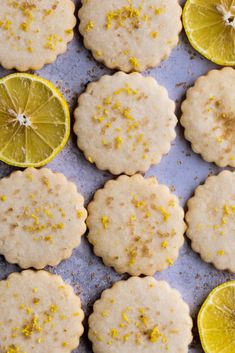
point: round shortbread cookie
(130, 35)
(42, 218)
(136, 225)
(211, 220)
(125, 123)
(141, 315)
(33, 33)
(209, 117)
(39, 313)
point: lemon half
(210, 27)
(34, 120)
(216, 320)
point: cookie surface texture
(136, 225)
(42, 218)
(125, 123)
(33, 33)
(209, 117)
(39, 313)
(130, 35)
(141, 315)
(211, 220)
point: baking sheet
(182, 170)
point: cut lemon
(34, 120)
(210, 27)
(216, 320)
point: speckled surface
(181, 169)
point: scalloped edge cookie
(12, 61)
(41, 177)
(138, 251)
(132, 55)
(217, 255)
(46, 291)
(116, 158)
(210, 137)
(140, 303)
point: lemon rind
(64, 104)
(195, 44)
(204, 305)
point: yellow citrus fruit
(34, 120)
(210, 27)
(216, 320)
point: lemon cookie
(141, 315)
(42, 218)
(39, 313)
(211, 221)
(209, 117)
(130, 35)
(125, 123)
(33, 33)
(136, 225)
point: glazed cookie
(42, 218)
(211, 221)
(125, 123)
(39, 313)
(33, 33)
(130, 35)
(136, 225)
(209, 117)
(141, 315)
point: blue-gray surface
(181, 169)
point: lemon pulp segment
(34, 120)
(216, 320)
(210, 27)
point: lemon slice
(34, 120)
(210, 27)
(216, 320)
